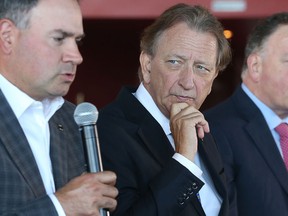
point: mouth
(181, 98)
(68, 77)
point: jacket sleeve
(39, 207)
(145, 186)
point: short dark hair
(18, 11)
(261, 32)
(197, 18)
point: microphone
(86, 115)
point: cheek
(203, 86)
(210, 84)
(274, 87)
(171, 85)
(161, 79)
(268, 81)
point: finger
(103, 202)
(200, 132)
(193, 116)
(176, 108)
(202, 128)
(106, 177)
(184, 110)
(108, 203)
(110, 191)
(204, 125)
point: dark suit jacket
(22, 191)
(149, 180)
(256, 174)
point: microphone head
(85, 114)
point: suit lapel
(58, 152)
(18, 148)
(156, 141)
(66, 151)
(149, 131)
(258, 130)
(266, 145)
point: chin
(60, 93)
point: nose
(186, 79)
(72, 54)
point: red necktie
(282, 130)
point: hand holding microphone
(92, 192)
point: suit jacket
(256, 174)
(149, 180)
(22, 190)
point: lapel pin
(60, 127)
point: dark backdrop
(111, 50)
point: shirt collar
(147, 101)
(272, 119)
(24, 101)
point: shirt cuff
(192, 167)
(57, 205)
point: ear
(254, 64)
(145, 62)
(7, 30)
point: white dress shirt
(210, 200)
(33, 117)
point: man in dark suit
(42, 166)
(154, 137)
(245, 125)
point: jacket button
(194, 186)
(181, 200)
(189, 191)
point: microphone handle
(92, 148)
(104, 212)
(92, 153)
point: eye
(173, 62)
(58, 39)
(79, 41)
(202, 68)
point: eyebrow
(68, 34)
(177, 56)
(197, 61)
